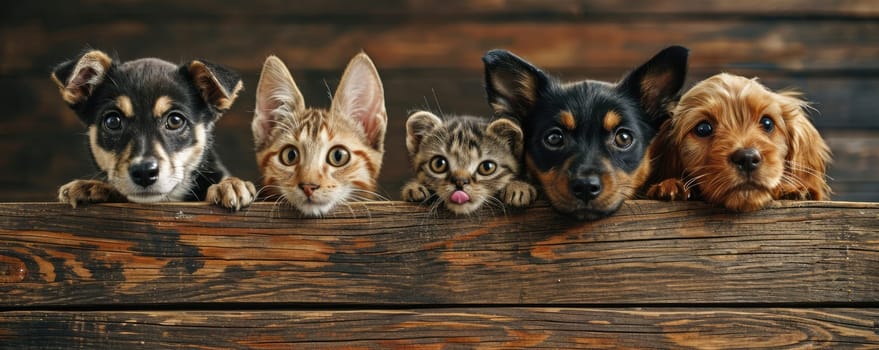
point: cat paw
(415, 192)
(232, 193)
(669, 190)
(88, 191)
(519, 194)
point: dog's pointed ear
(277, 97)
(219, 86)
(807, 154)
(512, 85)
(360, 96)
(419, 124)
(657, 83)
(509, 132)
(77, 78)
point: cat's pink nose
(460, 197)
(308, 189)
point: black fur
(144, 81)
(519, 90)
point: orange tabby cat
(316, 158)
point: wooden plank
(456, 8)
(717, 44)
(539, 328)
(395, 253)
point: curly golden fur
(732, 141)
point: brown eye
(703, 129)
(112, 121)
(486, 168)
(623, 139)
(174, 121)
(289, 156)
(338, 156)
(439, 165)
(766, 123)
(554, 139)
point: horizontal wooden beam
(716, 44)
(394, 253)
(517, 328)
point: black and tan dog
(586, 142)
(149, 126)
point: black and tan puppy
(586, 142)
(149, 127)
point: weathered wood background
(395, 275)
(428, 53)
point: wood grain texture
(309, 9)
(400, 254)
(479, 328)
(717, 44)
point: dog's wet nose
(587, 188)
(144, 173)
(746, 159)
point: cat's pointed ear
(418, 125)
(656, 84)
(360, 96)
(219, 86)
(277, 97)
(76, 79)
(512, 85)
(508, 132)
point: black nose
(144, 173)
(587, 188)
(746, 159)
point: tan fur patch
(211, 88)
(611, 120)
(76, 89)
(163, 104)
(106, 160)
(125, 106)
(567, 120)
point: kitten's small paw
(88, 191)
(669, 190)
(232, 193)
(519, 194)
(415, 192)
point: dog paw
(669, 190)
(791, 192)
(415, 192)
(88, 191)
(519, 194)
(232, 193)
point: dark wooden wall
(428, 54)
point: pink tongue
(460, 197)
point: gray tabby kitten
(465, 161)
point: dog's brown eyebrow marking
(124, 104)
(611, 120)
(567, 120)
(163, 104)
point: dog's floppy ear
(656, 84)
(418, 125)
(807, 154)
(360, 96)
(76, 79)
(219, 86)
(512, 85)
(509, 132)
(277, 97)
